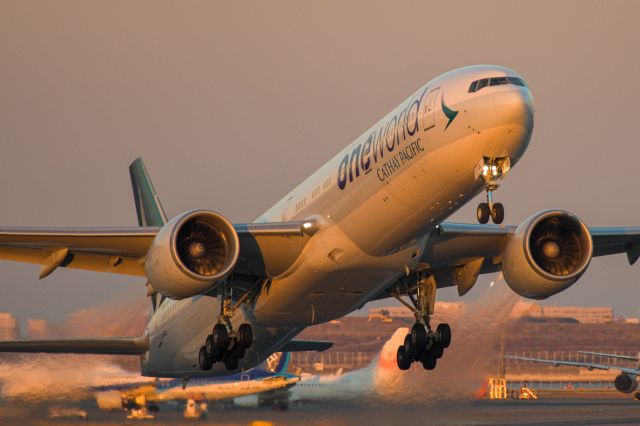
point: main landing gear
(422, 344)
(491, 169)
(225, 344)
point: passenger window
(482, 83)
(472, 88)
(498, 81)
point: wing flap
(135, 346)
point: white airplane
(625, 382)
(369, 224)
(379, 379)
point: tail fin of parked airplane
(148, 208)
(277, 363)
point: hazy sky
(233, 103)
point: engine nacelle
(548, 252)
(625, 383)
(191, 254)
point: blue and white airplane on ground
(146, 395)
(370, 224)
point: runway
(550, 411)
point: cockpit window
(495, 81)
(482, 83)
(515, 80)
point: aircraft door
(428, 110)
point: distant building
(596, 315)
(8, 327)
(388, 313)
(38, 328)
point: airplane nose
(514, 106)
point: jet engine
(625, 383)
(191, 254)
(547, 253)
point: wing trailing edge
(126, 346)
(306, 345)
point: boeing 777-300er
(368, 225)
(625, 382)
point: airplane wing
(266, 249)
(135, 346)
(458, 252)
(587, 365)
(625, 357)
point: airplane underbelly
(318, 301)
(333, 278)
(174, 345)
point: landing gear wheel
(403, 359)
(408, 347)
(418, 337)
(231, 362)
(497, 214)
(210, 346)
(444, 335)
(483, 213)
(437, 351)
(204, 360)
(238, 351)
(245, 336)
(220, 336)
(429, 361)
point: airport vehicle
(59, 413)
(146, 397)
(625, 382)
(369, 224)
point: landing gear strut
(422, 344)
(491, 169)
(225, 344)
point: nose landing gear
(491, 169)
(225, 344)
(422, 344)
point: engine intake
(625, 383)
(548, 252)
(192, 253)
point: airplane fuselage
(375, 203)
